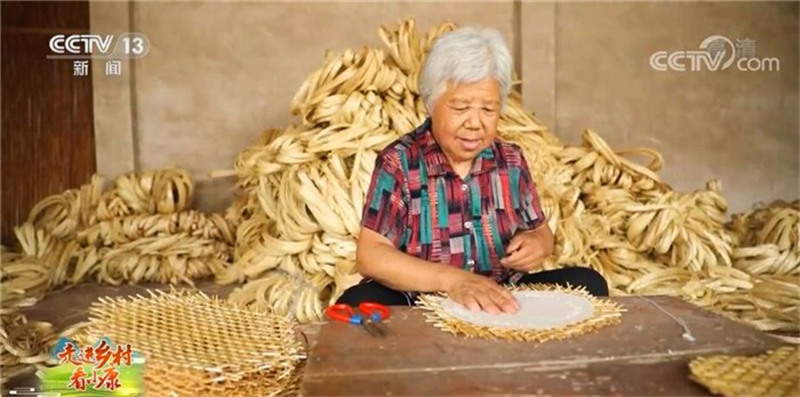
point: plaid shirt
(425, 209)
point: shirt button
(468, 225)
(464, 187)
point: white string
(299, 284)
(687, 333)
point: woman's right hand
(477, 293)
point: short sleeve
(385, 208)
(529, 212)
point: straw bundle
(139, 230)
(771, 374)
(605, 313)
(25, 279)
(768, 249)
(304, 189)
(22, 343)
(194, 345)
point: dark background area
(47, 113)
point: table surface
(643, 355)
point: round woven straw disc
(538, 310)
(546, 312)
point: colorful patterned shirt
(425, 209)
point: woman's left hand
(528, 249)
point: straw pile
(23, 343)
(768, 249)
(140, 229)
(304, 189)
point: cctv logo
(80, 43)
(82, 46)
(712, 57)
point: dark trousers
(374, 291)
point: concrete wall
(219, 73)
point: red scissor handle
(340, 312)
(370, 309)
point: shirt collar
(437, 164)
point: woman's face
(465, 120)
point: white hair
(465, 55)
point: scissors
(370, 316)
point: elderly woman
(450, 208)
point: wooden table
(643, 355)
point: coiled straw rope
(304, 189)
(139, 230)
